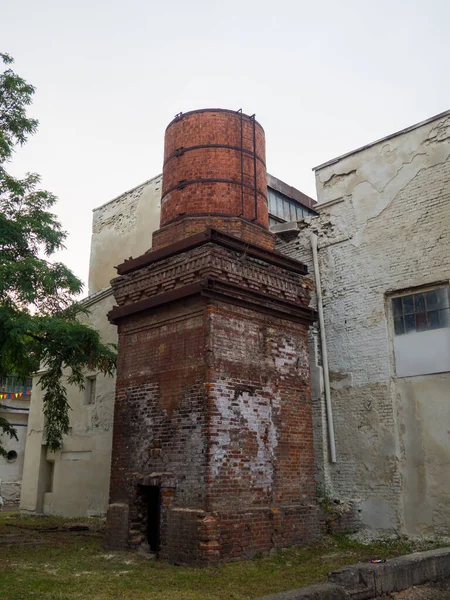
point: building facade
(384, 256)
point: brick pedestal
(213, 400)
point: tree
(39, 319)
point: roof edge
(290, 191)
(127, 192)
(446, 113)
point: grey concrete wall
(384, 226)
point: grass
(42, 558)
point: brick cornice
(214, 236)
(214, 288)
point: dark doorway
(152, 498)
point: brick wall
(213, 405)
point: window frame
(413, 313)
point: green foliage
(39, 320)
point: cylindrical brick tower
(214, 174)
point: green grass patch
(40, 557)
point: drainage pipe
(323, 343)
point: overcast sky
(322, 77)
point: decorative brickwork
(213, 406)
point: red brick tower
(212, 450)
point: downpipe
(323, 343)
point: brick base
(234, 535)
(187, 226)
(210, 538)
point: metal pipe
(242, 162)
(323, 343)
(253, 117)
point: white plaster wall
(78, 475)
(122, 228)
(384, 226)
(81, 468)
(11, 472)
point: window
(421, 312)
(89, 389)
(282, 208)
(421, 332)
(12, 384)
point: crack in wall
(337, 178)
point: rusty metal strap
(180, 151)
(186, 182)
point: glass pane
(442, 298)
(433, 319)
(419, 303)
(399, 326)
(421, 321)
(410, 323)
(292, 215)
(299, 212)
(397, 307)
(279, 211)
(272, 203)
(431, 300)
(408, 305)
(436, 299)
(286, 210)
(444, 317)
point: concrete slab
(368, 581)
(394, 575)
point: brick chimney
(212, 455)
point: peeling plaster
(256, 414)
(384, 229)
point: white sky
(322, 77)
